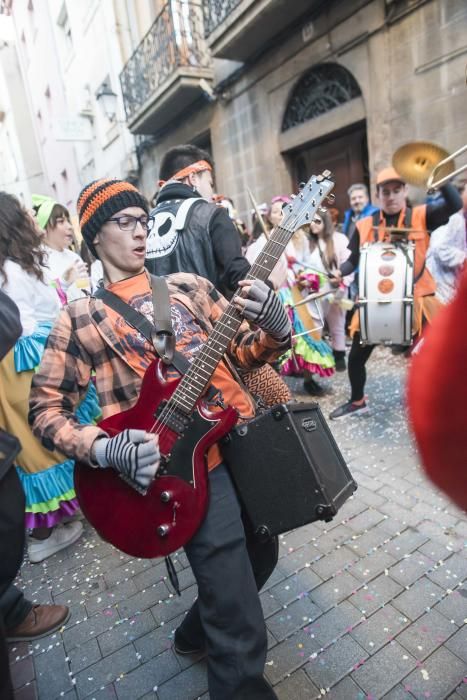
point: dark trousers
(357, 359)
(229, 567)
(13, 606)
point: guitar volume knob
(163, 530)
(166, 496)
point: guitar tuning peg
(327, 174)
(322, 210)
(301, 185)
(331, 198)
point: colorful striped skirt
(46, 477)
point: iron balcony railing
(216, 12)
(175, 40)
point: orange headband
(197, 167)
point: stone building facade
(281, 90)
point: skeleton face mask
(163, 236)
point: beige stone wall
(185, 132)
(411, 74)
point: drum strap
(377, 220)
(408, 218)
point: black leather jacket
(192, 235)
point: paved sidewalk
(371, 605)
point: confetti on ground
(101, 583)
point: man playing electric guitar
(227, 619)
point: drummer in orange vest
(394, 212)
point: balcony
(162, 77)
(237, 29)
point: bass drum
(386, 284)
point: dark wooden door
(344, 153)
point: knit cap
(100, 200)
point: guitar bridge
(133, 484)
(164, 465)
(173, 418)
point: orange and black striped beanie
(100, 200)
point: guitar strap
(160, 334)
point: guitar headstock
(303, 207)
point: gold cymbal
(415, 161)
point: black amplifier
(287, 468)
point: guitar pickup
(174, 419)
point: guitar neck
(270, 254)
(203, 366)
(199, 374)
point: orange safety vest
(408, 218)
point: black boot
(312, 387)
(339, 359)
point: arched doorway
(326, 91)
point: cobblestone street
(371, 605)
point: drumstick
(299, 335)
(312, 297)
(396, 229)
(346, 304)
(258, 213)
(314, 269)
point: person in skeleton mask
(188, 231)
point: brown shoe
(39, 622)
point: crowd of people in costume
(323, 258)
(42, 271)
(71, 360)
(40, 274)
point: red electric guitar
(165, 517)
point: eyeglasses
(128, 223)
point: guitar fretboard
(203, 366)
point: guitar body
(168, 514)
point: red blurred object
(437, 397)
(176, 502)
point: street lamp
(108, 100)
